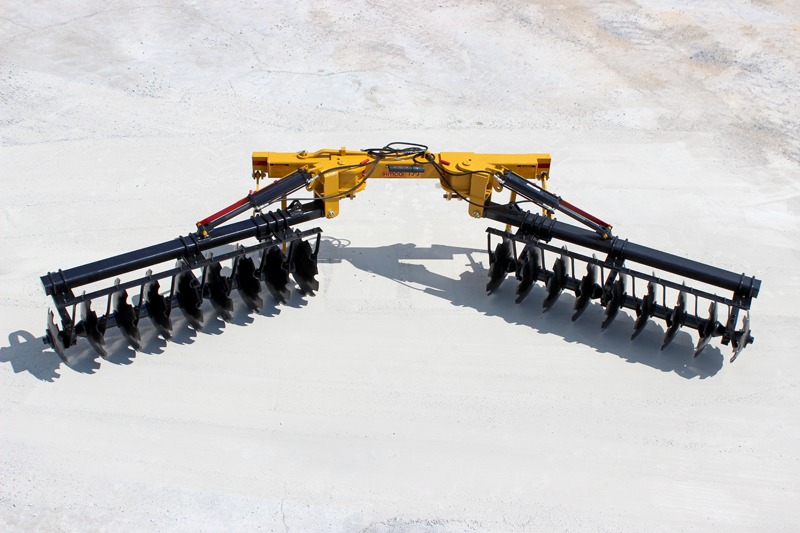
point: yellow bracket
(330, 191)
(342, 173)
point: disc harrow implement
(196, 277)
(224, 257)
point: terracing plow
(269, 248)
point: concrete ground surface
(401, 397)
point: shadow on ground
(27, 353)
(469, 291)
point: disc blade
(248, 283)
(219, 290)
(190, 298)
(127, 322)
(158, 309)
(708, 329)
(555, 283)
(276, 273)
(585, 290)
(675, 319)
(92, 328)
(742, 338)
(613, 301)
(53, 336)
(499, 263)
(528, 268)
(303, 266)
(644, 310)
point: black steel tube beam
(546, 228)
(263, 224)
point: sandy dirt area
(401, 397)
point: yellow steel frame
(337, 174)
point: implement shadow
(27, 353)
(469, 291)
